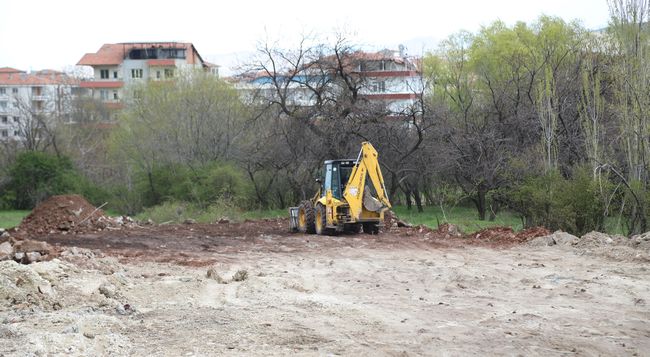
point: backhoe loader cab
(336, 174)
(352, 196)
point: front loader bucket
(293, 219)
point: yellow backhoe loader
(352, 197)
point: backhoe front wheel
(306, 217)
(370, 228)
(320, 220)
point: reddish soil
(205, 244)
(65, 213)
(66, 221)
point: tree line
(547, 119)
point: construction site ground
(253, 288)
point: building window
(136, 73)
(16, 119)
(103, 73)
(115, 74)
(115, 96)
(4, 119)
(382, 66)
(3, 105)
(37, 91)
(378, 87)
(16, 133)
(169, 73)
(15, 104)
(158, 74)
(14, 90)
(103, 94)
(3, 91)
(4, 133)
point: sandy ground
(136, 294)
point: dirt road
(145, 292)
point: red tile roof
(112, 54)
(15, 77)
(10, 70)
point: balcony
(101, 84)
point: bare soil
(253, 288)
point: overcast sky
(39, 34)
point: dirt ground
(252, 288)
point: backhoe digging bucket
(293, 219)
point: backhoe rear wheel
(306, 217)
(321, 220)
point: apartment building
(390, 77)
(116, 65)
(30, 100)
(387, 77)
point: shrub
(35, 176)
(572, 204)
(201, 186)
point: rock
(33, 257)
(240, 275)
(545, 241)
(4, 234)
(557, 238)
(403, 224)
(449, 230)
(108, 290)
(223, 220)
(189, 221)
(6, 251)
(214, 275)
(564, 238)
(125, 309)
(29, 245)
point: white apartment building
(387, 77)
(116, 65)
(27, 98)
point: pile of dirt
(496, 233)
(506, 235)
(641, 241)
(449, 230)
(531, 233)
(67, 214)
(22, 286)
(596, 239)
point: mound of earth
(68, 214)
(598, 239)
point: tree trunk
(418, 200)
(480, 203)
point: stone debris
(557, 238)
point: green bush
(201, 186)
(574, 204)
(35, 176)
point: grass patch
(10, 219)
(466, 218)
(178, 212)
(261, 214)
